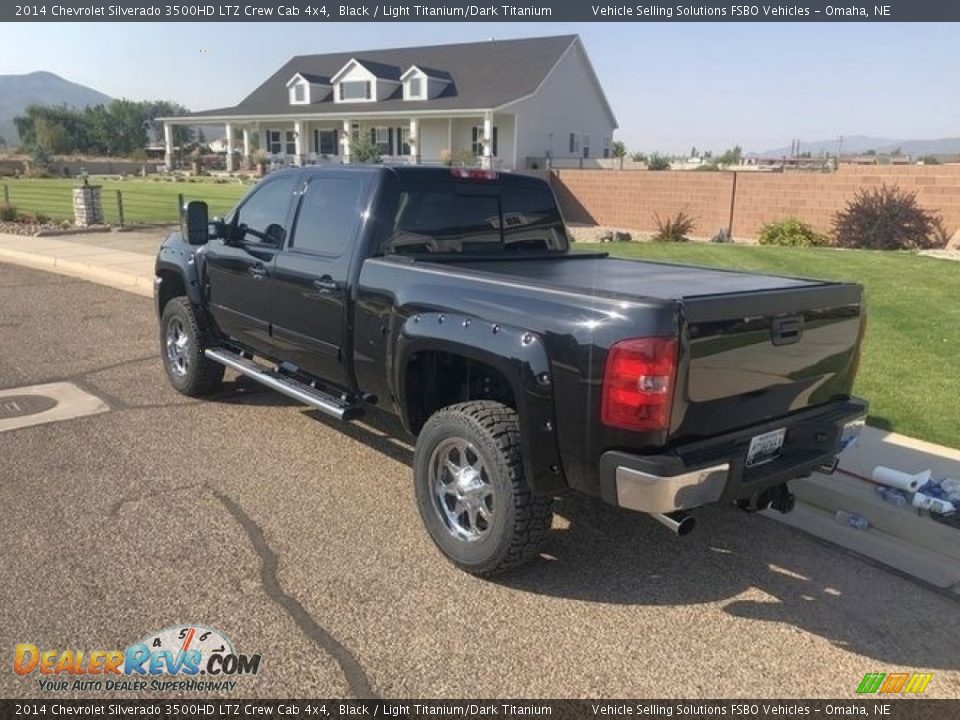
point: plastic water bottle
(857, 522)
(892, 496)
(935, 505)
(952, 489)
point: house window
(325, 142)
(586, 146)
(355, 90)
(403, 133)
(299, 93)
(573, 143)
(280, 143)
(415, 88)
(476, 141)
(381, 138)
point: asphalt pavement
(298, 538)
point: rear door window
(328, 216)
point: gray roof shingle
(483, 75)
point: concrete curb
(902, 537)
(115, 277)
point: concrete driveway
(299, 538)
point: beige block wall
(629, 199)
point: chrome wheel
(461, 489)
(177, 343)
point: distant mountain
(39, 88)
(858, 144)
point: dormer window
(355, 90)
(423, 83)
(305, 89)
(365, 81)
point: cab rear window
(475, 219)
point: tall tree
(618, 150)
(182, 134)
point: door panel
(240, 271)
(240, 294)
(310, 277)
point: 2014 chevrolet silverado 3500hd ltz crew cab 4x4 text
(450, 297)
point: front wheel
(182, 348)
(471, 491)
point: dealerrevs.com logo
(183, 652)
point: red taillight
(638, 384)
(472, 174)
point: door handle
(326, 284)
(258, 271)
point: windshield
(475, 219)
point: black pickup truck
(450, 297)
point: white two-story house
(506, 104)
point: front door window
(263, 216)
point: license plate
(766, 447)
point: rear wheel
(182, 345)
(471, 491)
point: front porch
(483, 140)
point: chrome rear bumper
(642, 491)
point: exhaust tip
(679, 522)
(686, 526)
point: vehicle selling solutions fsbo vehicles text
(669, 11)
(735, 11)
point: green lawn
(144, 200)
(910, 371)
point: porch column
(487, 140)
(298, 141)
(414, 142)
(229, 128)
(168, 145)
(346, 140)
(246, 145)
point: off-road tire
(200, 375)
(521, 519)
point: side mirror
(218, 229)
(197, 223)
(275, 235)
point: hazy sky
(672, 86)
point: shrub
(658, 162)
(673, 229)
(791, 232)
(364, 151)
(41, 218)
(8, 213)
(887, 218)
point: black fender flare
(181, 260)
(519, 355)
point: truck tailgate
(759, 355)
